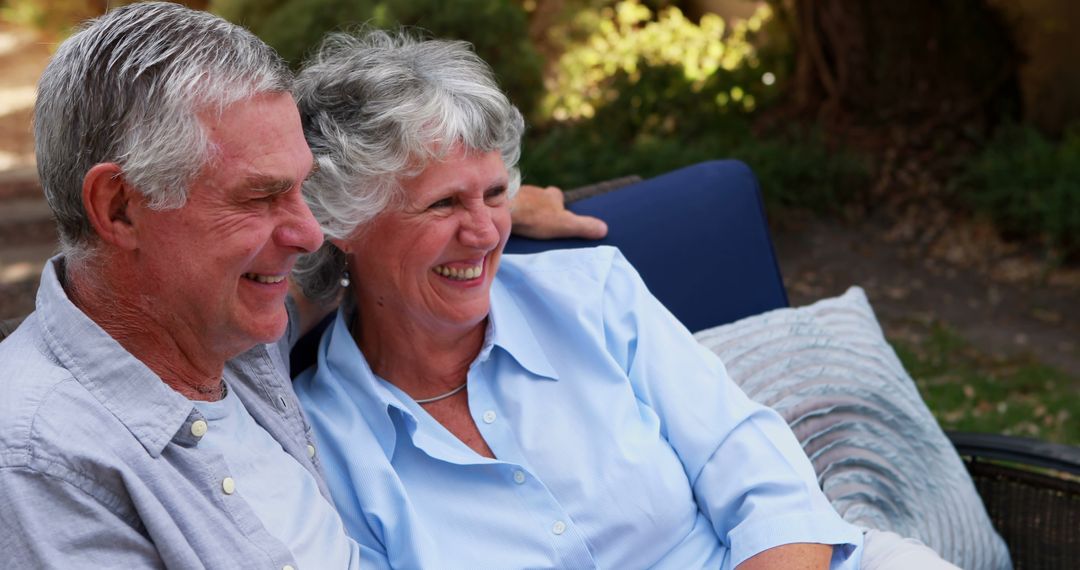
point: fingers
(555, 194)
(586, 227)
(540, 213)
(563, 224)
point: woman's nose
(478, 229)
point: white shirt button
(198, 428)
(310, 450)
(519, 477)
(228, 485)
(559, 527)
(489, 416)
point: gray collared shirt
(99, 459)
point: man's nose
(299, 229)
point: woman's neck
(424, 361)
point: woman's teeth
(268, 279)
(463, 274)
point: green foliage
(1029, 186)
(53, 17)
(642, 93)
(657, 121)
(497, 29)
(971, 391)
(623, 39)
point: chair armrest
(1032, 452)
(1031, 491)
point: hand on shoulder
(540, 213)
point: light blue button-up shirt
(620, 442)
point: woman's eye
(495, 194)
(439, 204)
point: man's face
(215, 269)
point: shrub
(638, 92)
(618, 43)
(657, 121)
(1029, 186)
(496, 28)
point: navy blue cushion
(697, 235)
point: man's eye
(439, 204)
(261, 198)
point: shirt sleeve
(749, 475)
(51, 523)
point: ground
(958, 287)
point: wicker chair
(1031, 490)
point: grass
(968, 390)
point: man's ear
(107, 199)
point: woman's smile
(461, 271)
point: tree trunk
(919, 62)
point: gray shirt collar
(150, 410)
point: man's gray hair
(377, 108)
(128, 88)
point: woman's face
(431, 261)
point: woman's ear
(108, 199)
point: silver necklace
(442, 396)
(352, 329)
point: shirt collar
(150, 410)
(510, 330)
(340, 361)
(376, 399)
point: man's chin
(264, 328)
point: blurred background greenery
(827, 100)
(847, 109)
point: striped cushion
(880, 456)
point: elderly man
(171, 153)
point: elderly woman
(481, 411)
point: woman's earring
(345, 278)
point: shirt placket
(565, 537)
(218, 482)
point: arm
(747, 471)
(50, 523)
(540, 213)
(799, 556)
